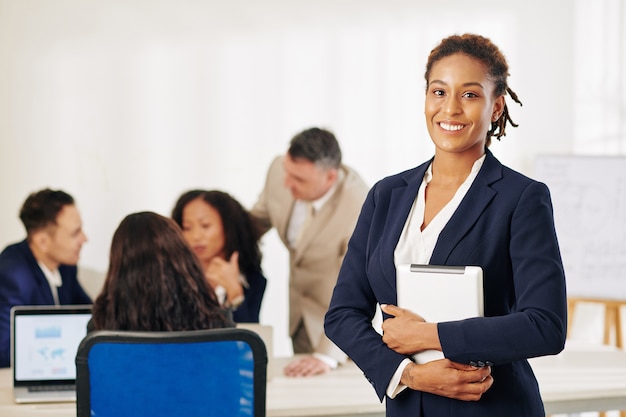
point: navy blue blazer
(22, 282)
(505, 225)
(248, 311)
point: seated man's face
(66, 238)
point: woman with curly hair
(225, 238)
(154, 281)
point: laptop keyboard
(46, 388)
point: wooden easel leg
(612, 320)
(609, 323)
(571, 305)
(619, 341)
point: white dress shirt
(301, 207)
(54, 280)
(297, 220)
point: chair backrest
(218, 372)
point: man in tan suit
(313, 201)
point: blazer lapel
(402, 198)
(283, 224)
(473, 204)
(311, 231)
(320, 218)
(41, 281)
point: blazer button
(481, 364)
(488, 363)
(473, 363)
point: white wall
(127, 103)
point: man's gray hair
(316, 145)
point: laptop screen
(45, 342)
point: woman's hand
(407, 332)
(225, 274)
(448, 379)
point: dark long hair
(154, 281)
(241, 231)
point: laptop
(440, 293)
(44, 342)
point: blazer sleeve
(16, 288)
(6, 302)
(532, 320)
(261, 210)
(348, 322)
(249, 310)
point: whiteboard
(589, 199)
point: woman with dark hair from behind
(225, 238)
(154, 281)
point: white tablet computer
(440, 293)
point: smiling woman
(463, 207)
(464, 108)
(474, 85)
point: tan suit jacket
(314, 264)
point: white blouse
(416, 246)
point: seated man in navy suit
(41, 270)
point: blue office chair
(218, 372)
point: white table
(344, 392)
(582, 380)
(574, 381)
